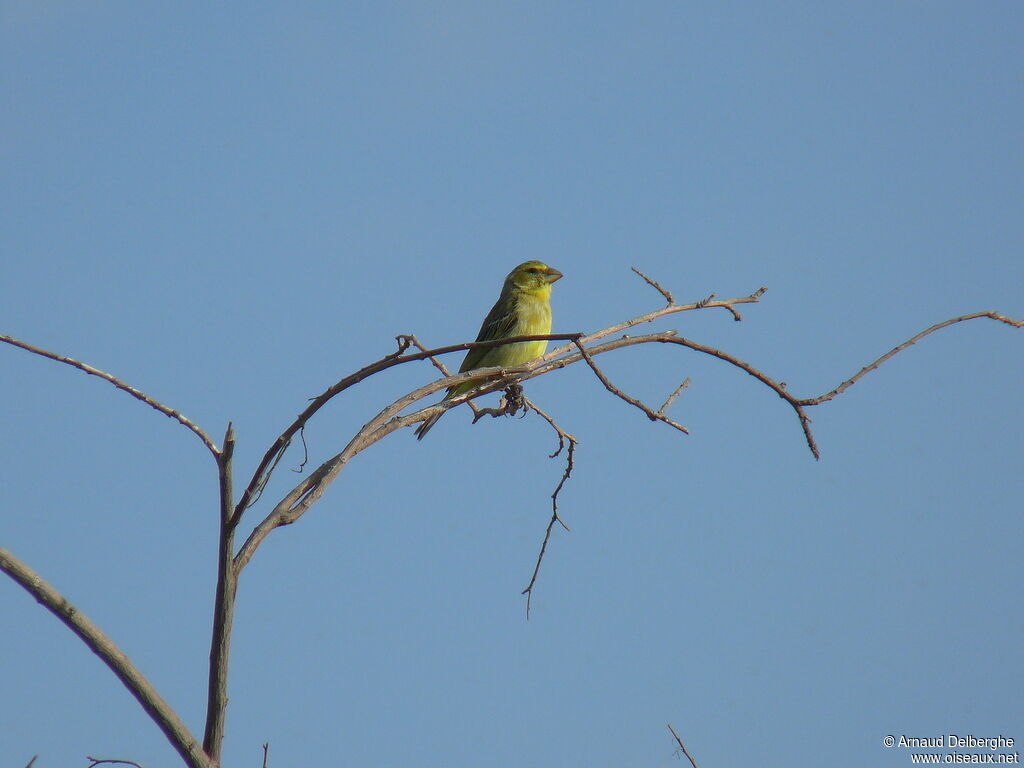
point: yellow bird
(522, 309)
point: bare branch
(682, 746)
(912, 340)
(671, 309)
(297, 501)
(154, 705)
(675, 393)
(101, 760)
(657, 286)
(778, 388)
(272, 456)
(123, 386)
(564, 438)
(551, 524)
(651, 414)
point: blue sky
(233, 205)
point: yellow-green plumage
(522, 309)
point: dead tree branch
(139, 687)
(223, 606)
(564, 439)
(653, 415)
(123, 386)
(272, 456)
(682, 747)
(656, 286)
(991, 314)
(111, 761)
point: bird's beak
(552, 275)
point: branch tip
(682, 747)
(657, 286)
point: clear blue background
(232, 205)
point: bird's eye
(533, 270)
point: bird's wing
(499, 324)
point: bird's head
(533, 277)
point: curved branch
(653, 415)
(158, 709)
(768, 381)
(300, 498)
(123, 386)
(991, 314)
(273, 454)
(112, 761)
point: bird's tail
(430, 421)
(423, 428)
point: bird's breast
(533, 318)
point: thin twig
(651, 414)
(551, 524)
(101, 760)
(138, 394)
(266, 749)
(564, 438)
(675, 393)
(657, 286)
(779, 389)
(912, 340)
(305, 451)
(682, 746)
